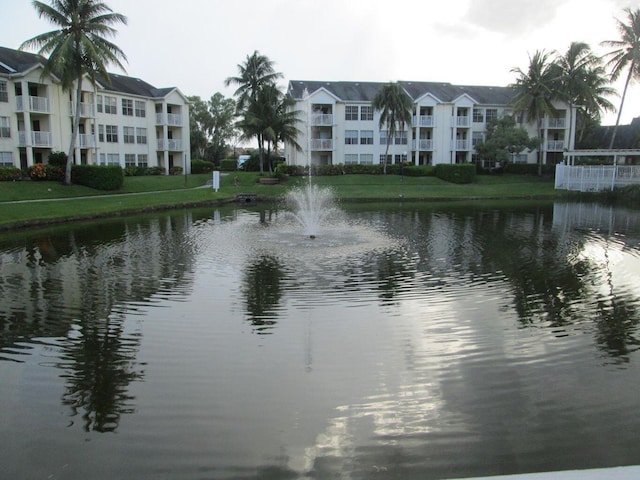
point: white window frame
(6, 159)
(351, 112)
(140, 109)
(127, 107)
(366, 113)
(141, 135)
(4, 92)
(350, 137)
(366, 137)
(143, 160)
(5, 127)
(128, 134)
(110, 105)
(111, 133)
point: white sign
(216, 180)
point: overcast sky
(195, 44)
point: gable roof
(365, 91)
(17, 62)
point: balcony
(461, 121)
(422, 121)
(555, 145)
(321, 144)
(38, 139)
(86, 109)
(322, 119)
(422, 144)
(461, 145)
(35, 104)
(171, 119)
(86, 140)
(170, 145)
(557, 123)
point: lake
(410, 341)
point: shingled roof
(16, 61)
(365, 91)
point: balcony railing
(38, 139)
(173, 119)
(555, 145)
(422, 144)
(321, 144)
(86, 109)
(170, 144)
(323, 119)
(86, 140)
(461, 121)
(556, 123)
(422, 121)
(461, 145)
(35, 104)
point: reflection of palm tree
(263, 291)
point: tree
(212, 125)
(535, 92)
(78, 48)
(625, 56)
(503, 140)
(395, 107)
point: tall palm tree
(256, 72)
(599, 90)
(625, 56)
(77, 48)
(534, 94)
(395, 107)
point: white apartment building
(338, 125)
(127, 122)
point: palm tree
(583, 84)
(396, 109)
(77, 48)
(256, 72)
(626, 55)
(535, 92)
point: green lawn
(54, 201)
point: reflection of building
(129, 122)
(448, 120)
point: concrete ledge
(615, 473)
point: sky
(196, 44)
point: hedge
(10, 174)
(201, 166)
(100, 177)
(529, 169)
(456, 173)
(228, 164)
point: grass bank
(35, 203)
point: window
(350, 158)
(99, 103)
(383, 137)
(128, 134)
(520, 158)
(113, 159)
(478, 115)
(385, 159)
(399, 159)
(5, 130)
(111, 132)
(127, 107)
(491, 114)
(366, 113)
(477, 137)
(141, 135)
(6, 159)
(129, 159)
(350, 137)
(110, 105)
(101, 133)
(140, 109)
(4, 95)
(366, 137)
(103, 159)
(351, 112)
(142, 160)
(366, 158)
(401, 138)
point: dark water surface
(407, 341)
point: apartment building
(338, 125)
(125, 122)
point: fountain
(312, 207)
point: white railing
(38, 139)
(556, 123)
(36, 104)
(321, 144)
(86, 109)
(86, 140)
(170, 144)
(174, 119)
(422, 121)
(461, 121)
(422, 144)
(325, 119)
(596, 178)
(461, 145)
(555, 145)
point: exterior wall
(441, 132)
(41, 120)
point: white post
(216, 180)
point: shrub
(55, 173)
(456, 173)
(419, 171)
(529, 169)
(175, 170)
(228, 164)
(37, 172)
(100, 177)
(153, 170)
(10, 174)
(57, 159)
(201, 166)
